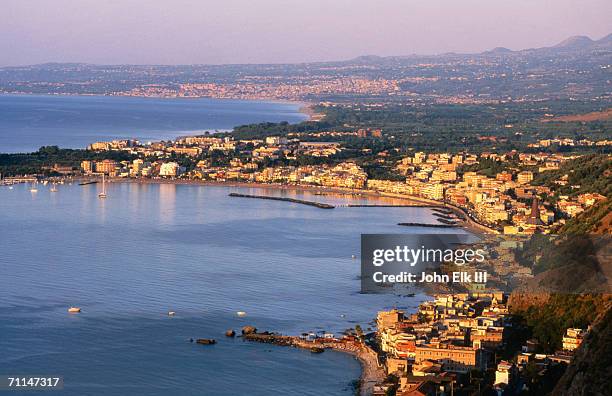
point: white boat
(74, 310)
(241, 313)
(103, 193)
(171, 313)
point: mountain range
(573, 44)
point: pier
(428, 225)
(293, 200)
(388, 206)
(7, 181)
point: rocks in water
(317, 350)
(249, 330)
(206, 341)
(230, 333)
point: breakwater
(389, 206)
(442, 210)
(428, 225)
(293, 200)
(445, 217)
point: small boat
(53, 188)
(10, 187)
(241, 313)
(171, 313)
(103, 193)
(74, 310)
(206, 341)
(353, 257)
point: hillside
(595, 220)
(587, 174)
(591, 370)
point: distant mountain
(499, 51)
(571, 45)
(567, 46)
(575, 42)
(605, 42)
(582, 43)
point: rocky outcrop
(246, 330)
(206, 341)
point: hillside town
(508, 201)
(460, 344)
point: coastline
(301, 111)
(371, 372)
(469, 224)
(305, 108)
(308, 109)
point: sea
(28, 122)
(148, 249)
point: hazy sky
(278, 31)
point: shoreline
(468, 223)
(371, 372)
(303, 107)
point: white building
(169, 169)
(572, 339)
(276, 141)
(504, 373)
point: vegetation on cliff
(595, 220)
(589, 373)
(547, 319)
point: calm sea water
(150, 248)
(28, 122)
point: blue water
(151, 248)
(28, 122)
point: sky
(282, 31)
